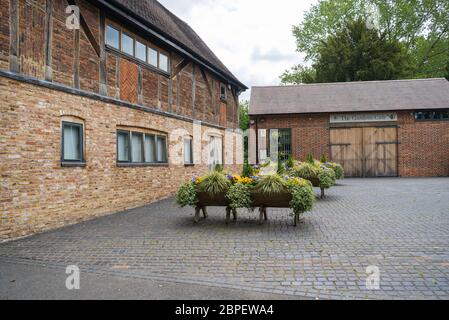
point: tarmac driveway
(400, 226)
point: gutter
(119, 11)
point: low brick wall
(37, 194)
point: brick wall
(423, 148)
(423, 145)
(310, 133)
(38, 194)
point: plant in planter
(326, 176)
(187, 195)
(214, 183)
(338, 169)
(239, 196)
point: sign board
(363, 117)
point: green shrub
(290, 162)
(214, 183)
(339, 171)
(326, 177)
(323, 158)
(187, 195)
(271, 184)
(306, 170)
(240, 196)
(248, 170)
(310, 159)
(218, 167)
(303, 199)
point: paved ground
(398, 225)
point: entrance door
(347, 149)
(380, 148)
(365, 152)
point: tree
(244, 116)
(359, 53)
(299, 74)
(421, 26)
(244, 126)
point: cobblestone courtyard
(399, 225)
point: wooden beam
(102, 71)
(87, 31)
(14, 65)
(179, 67)
(140, 86)
(193, 91)
(207, 82)
(76, 61)
(48, 40)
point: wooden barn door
(347, 149)
(381, 152)
(366, 152)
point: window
(150, 148)
(136, 147)
(141, 148)
(123, 150)
(161, 154)
(284, 140)
(432, 115)
(113, 37)
(215, 151)
(223, 92)
(152, 57)
(72, 142)
(127, 44)
(163, 62)
(141, 51)
(188, 150)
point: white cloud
(253, 38)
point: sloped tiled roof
(158, 17)
(351, 96)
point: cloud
(272, 54)
(253, 38)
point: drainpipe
(257, 140)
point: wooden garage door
(365, 152)
(380, 151)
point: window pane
(150, 149)
(72, 142)
(127, 44)
(123, 146)
(152, 57)
(188, 151)
(136, 147)
(161, 149)
(113, 37)
(163, 62)
(141, 51)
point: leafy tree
(421, 26)
(358, 53)
(244, 116)
(244, 126)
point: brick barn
(375, 129)
(87, 113)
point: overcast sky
(253, 38)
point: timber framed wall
(49, 73)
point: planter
(279, 200)
(218, 200)
(316, 183)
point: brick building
(87, 114)
(377, 128)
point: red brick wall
(38, 194)
(158, 90)
(423, 145)
(310, 133)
